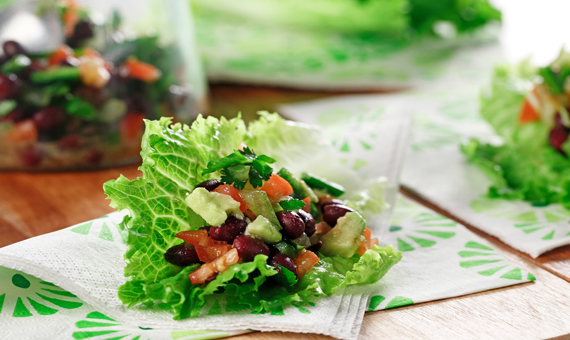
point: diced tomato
(307, 206)
(70, 19)
(212, 252)
(142, 71)
(132, 125)
(250, 214)
(367, 234)
(305, 262)
(528, 113)
(23, 131)
(276, 187)
(192, 236)
(229, 190)
(218, 265)
(368, 243)
(363, 247)
(59, 55)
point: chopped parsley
(292, 204)
(242, 166)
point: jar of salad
(77, 78)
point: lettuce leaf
(174, 160)
(541, 176)
(390, 18)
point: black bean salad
(80, 106)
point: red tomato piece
(307, 207)
(59, 55)
(218, 265)
(276, 187)
(142, 71)
(212, 252)
(528, 113)
(23, 131)
(229, 190)
(305, 262)
(192, 236)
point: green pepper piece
(16, 64)
(315, 182)
(64, 73)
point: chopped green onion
(16, 64)
(64, 73)
(315, 182)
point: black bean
(210, 184)
(316, 247)
(9, 86)
(12, 48)
(293, 225)
(333, 212)
(229, 230)
(181, 255)
(49, 118)
(284, 261)
(31, 157)
(333, 201)
(247, 247)
(83, 30)
(309, 222)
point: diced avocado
(344, 238)
(300, 188)
(303, 240)
(195, 221)
(316, 182)
(264, 230)
(213, 207)
(259, 204)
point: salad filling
(217, 222)
(83, 104)
(528, 108)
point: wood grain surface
(34, 204)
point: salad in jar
(212, 219)
(82, 105)
(529, 108)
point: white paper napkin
(442, 259)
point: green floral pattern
(23, 295)
(487, 262)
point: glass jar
(78, 78)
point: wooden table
(34, 204)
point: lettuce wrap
(175, 158)
(527, 107)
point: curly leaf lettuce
(174, 160)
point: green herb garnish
(292, 204)
(242, 166)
